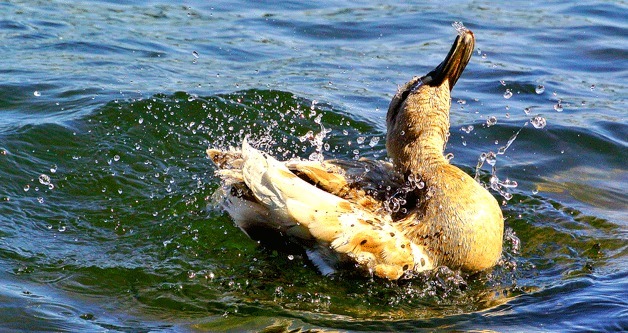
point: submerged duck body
(340, 212)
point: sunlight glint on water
(121, 100)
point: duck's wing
(329, 226)
(351, 179)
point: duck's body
(413, 215)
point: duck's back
(335, 210)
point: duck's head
(418, 115)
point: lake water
(107, 107)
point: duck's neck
(418, 134)
(425, 154)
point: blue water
(107, 107)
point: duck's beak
(452, 67)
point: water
(107, 107)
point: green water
(107, 220)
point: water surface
(107, 107)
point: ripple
(109, 78)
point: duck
(392, 219)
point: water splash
(490, 158)
(44, 179)
(467, 129)
(538, 122)
(374, 141)
(397, 200)
(316, 141)
(490, 121)
(460, 28)
(507, 94)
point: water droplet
(27, 187)
(36, 93)
(195, 54)
(507, 94)
(467, 129)
(360, 140)
(527, 110)
(592, 86)
(374, 141)
(460, 28)
(290, 257)
(87, 316)
(491, 158)
(51, 186)
(558, 106)
(502, 82)
(44, 179)
(538, 122)
(318, 118)
(492, 120)
(53, 168)
(509, 183)
(116, 158)
(62, 228)
(539, 89)
(141, 120)
(40, 200)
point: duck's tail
(320, 220)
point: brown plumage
(413, 215)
